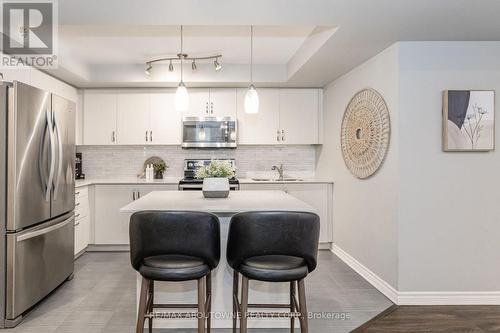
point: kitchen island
(222, 276)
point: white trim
(376, 281)
(449, 298)
(417, 297)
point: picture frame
(468, 120)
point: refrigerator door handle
(52, 155)
(40, 232)
(41, 159)
(59, 160)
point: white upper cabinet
(132, 122)
(259, 128)
(199, 101)
(215, 102)
(165, 122)
(286, 116)
(222, 102)
(299, 116)
(99, 118)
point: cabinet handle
(212, 107)
(77, 224)
(77, 204)
(77, 193)
(138, 194)
(282, 135)
(146, 136)
(77, 216)
(206, 108)
(278, 135)
(133, 195)
(150, 136)
(113, 136)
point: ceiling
(306, 43)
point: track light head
(217, 65)
(148, 69)
(193, 66)
(171, 67)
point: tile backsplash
(251, 161)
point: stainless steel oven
(209, 132)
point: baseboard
(108, 248)
(417, 298)
(449, 298)
(372, 278)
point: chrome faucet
(280, 171)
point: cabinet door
(260, 128)
(199, 100)
(317, 196)
(222, 102)
(132, 118)
(99, 118)
(299, 116)
(82, 234)
(111, 226)
(165, 121)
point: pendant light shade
(251, 100)
(181, 98)
(251, 97)
(181, 95)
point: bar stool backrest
(273, 233)
(155, 233)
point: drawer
(81, 192)
(82, 234)
(82, 208)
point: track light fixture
(148, 69)
(181, 57)
(217, 65)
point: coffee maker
(78, 167)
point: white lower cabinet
(82, 219)
(317, 195)
(110, 225)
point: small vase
(158, 175)
(216, 187)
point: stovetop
(190, 180)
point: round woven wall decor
(365, 135)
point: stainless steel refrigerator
(37, 201)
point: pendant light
(181, 95)
(251, 97)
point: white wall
(364, 211)
(450, 202)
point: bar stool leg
(292, 305)
(235, 299)
(151, 302)
(143, 303)
(209, 300)
(201, 305)
(244, 304)
(303, 308)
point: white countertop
(175, 181)
(238, 201)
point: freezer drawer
(38, 260)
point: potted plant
(216, 178)
(159, 169)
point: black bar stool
(272, 247)
(174, 246)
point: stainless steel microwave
(209, 132)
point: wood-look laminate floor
(102, 298)
(436, 319)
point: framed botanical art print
(468, 120)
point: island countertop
(238, 201)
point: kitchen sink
(277, 180)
